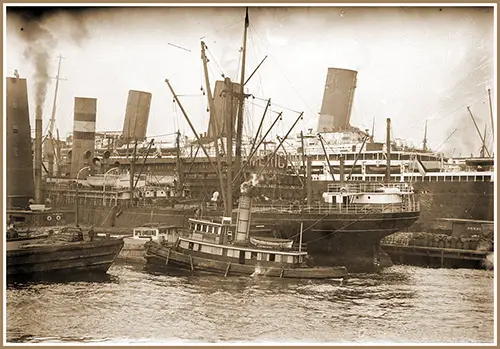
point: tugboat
(210, 246)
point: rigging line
(281, 106)
(238, 68)
(343, 227)
(458, 84)
(218, 30)
(164, 134)
(260, 85)
(463, 106)
(312, 225)
(212, 58)
(286, 77)
(436, 117)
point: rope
(333, 232)
(286, 77)
(212, 58)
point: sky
(414, 64)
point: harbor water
(401, 304)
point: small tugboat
(134, 246)
(210, 246)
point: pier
(436, 256)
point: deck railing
(340, 208)
(367, 187)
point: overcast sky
(413, 64)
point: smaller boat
(133, 248)
(210, 246)
(63, 250)
(268, 242)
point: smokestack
(335, 111)
(38, 158)
(244, 210)
(226, 106)
(136, 115)
(19, 172)
(243, 220)
(83, 134)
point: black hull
(460, 200)
(67, 258)
(352, 240)
(160, 257)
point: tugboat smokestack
(245, 209)
(244, 215)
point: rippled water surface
(131, 305)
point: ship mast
(479, 132)
(424, 146)
(239, 125)
(388, 151)
(483, 147)
(53, 153)
(213, 116)
(179, 170)
(491, 114)
(326, 156)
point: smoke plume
(36, 27)
(39, 41)
(246, 187)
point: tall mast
(239, 125)
(228, 104)
(483, 147)
(479, 132)
(373, 130)
(180, 180)
(326, 156)
(424, 147)
(491, 115)
(388, 146)
(213, 117)
(53, 153)
(54, 105)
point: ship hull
(347, 239)
(35, 260)
(460, 200)
(161, 257)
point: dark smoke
(33, 25)
(39, 41)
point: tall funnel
(82, 152)
(337, 100)
(136, 115)
(243, 220)
(20, 185)
(226, 105)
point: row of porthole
(58, 218)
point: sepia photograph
(249, 174)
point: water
(402, 304)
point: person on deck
(92, 233)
